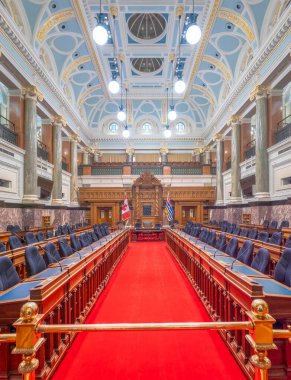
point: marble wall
(32, 217)
(258, 213)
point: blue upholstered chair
(2, 247)
(98, 232)
(158, 226)
(8, 274)
(288, 242)
(261, 261)
(75, 243)
(137, 226)
(245, 254)
(33, 260)
(16, 228)
(49, 234)
(64, 248)
(244, 232)
(14, 242)
(93, 236)
(231, 248)
(276, 238)
(205, 235)
(236, 231)
(229, 229)
(9, 227)
(283, 268)
(273, 225)
(263, 236)
(266, 223)
(283, 224)
(253, 233)
(51, 254)
(221, 242)
(211, 239)
(40, 236)
(30, 238)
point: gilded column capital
(129, 150)
(234, 119)
(196, 151)
(218, 137)
(75, 137)
(179, 11)
(33, 92)
(114, 11)
(164, 150)
(59, 119)
(260, 91)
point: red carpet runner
(148, 286)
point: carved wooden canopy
(147, 180)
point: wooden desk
(149, 234)
(227, 293)
(63, 296)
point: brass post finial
(28, 312)
(172, 57)
(179, 10)
(114, 11)
(260, 308)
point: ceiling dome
(147, 26)
(147, 65)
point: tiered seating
(261, 261)
(283, 268)
(8, 274)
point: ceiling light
(125, 132)
(121, 115)
(180, 86)
(100, 34)
(113, 86)
(172, 114)
(193, 33)
(167, 132)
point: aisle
(148, 286)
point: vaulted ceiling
(146, 33)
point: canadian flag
(125, 213)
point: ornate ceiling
(60, 32)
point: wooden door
(189, 213)
(104, 214)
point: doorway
(104, 215)
(189, 213)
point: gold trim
(114, 11)
(53, 21)
(259, 91)
(179, 11)
(205, 92)
(218, 137)
(233, 119)
(221, 66)
(75, 137)
(59, 119)
(238, 21)
(87, 93)
(33, 91)
(73, 65)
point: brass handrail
(7, 338)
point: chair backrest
(211, 239)
(284, 224)
(158, 226)
(49, 234)
(94, 236)
(34, 261)
(276, 238)
(236, 231)
(98, 231)
(2, 247)
(65, 229)
(30, 238)
(83, 240)
(283, 268)
(221, 242)
(137, 226)
(266, 223)
(8, 274)
(75, 243)
(261, 261)
(253, 233)
(231, 248)
(273, 224)
(64, 248)
(288, 242)
(9, 227)
(245, 254)
(263, 236)
(14, 242)
(16, 228)
(40, 236)
(244, 232)
(51, 254)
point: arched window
(180, 127)
(113, 127)
(147, 127)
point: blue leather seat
(221, 242)
(40, 236)
(98, 232)
(245, 254)
(263, 236)
(75, 243)
(158, 226)
(34, 261)
(283, 268)
(2, 247)
(244, 232)
(283, 224)
(30, 238)
(9, 227)
(93, 236)
(288, 242)
(273, 225)
(16, 228)
(236, 231)
(8, 275)
(64, 248)
(15, 242)
(276, 238)
(83, 240)
(49, 234)
(266, 223)
(211, 240)
(231, 248)
(89, 237)
(253, 233)
(261, 261)
(137, 226)
(51, 254)
(65, 229)
(229, 229)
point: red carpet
(148, 286)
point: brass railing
(260, 326)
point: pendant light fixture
(113, 85)
(121, 115)
(167, 131)
(100, 32)
(172, 113)
(193, 32)
(125, 132)
(179, 84)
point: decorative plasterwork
(53, 21)
(33, 91)
(234, 119)
(258, 92)
(238, 21)
(221, 66)
(206, 93)
(88, 92)
(59, 119)
(74, 65)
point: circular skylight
(147, 26)
(147, 65)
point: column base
(57, 202)
(219, 203)
(74, 204)
(30, 198)
(235, 200)
(263, 196)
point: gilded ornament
(205, 92)
(238, 21)
(53, 21)
(259, 91)
(219, 65)
(73, 65)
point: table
(148, 234)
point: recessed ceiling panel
(147, 26)
(147, 65)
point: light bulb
(172, 114)
(121, 115)
(125, 133)
(180, 86)
(100, 34)
(193, 34)
(113, 86)
(167, 133)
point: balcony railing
(42, 151)
(251, 149)
(197, 170)
(213, 170)
(154, 170)
(284, 129)
(7, 130)
(95, 170)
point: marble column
(164, 155)
(235, 159)
(57, 124)
(74, 172)
(130, 155)
(260, 94)
(96, 156)
(30, 193)
(219, 169)
(85, 158)
(207, 157)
